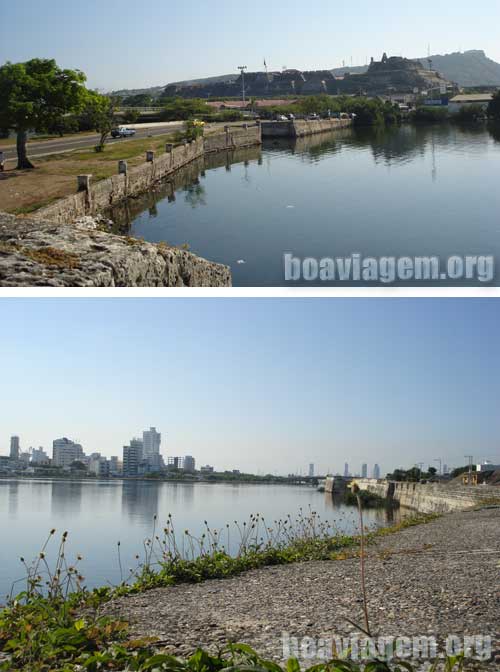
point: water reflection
(66, 497)
(140, 499)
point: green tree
(131, 116)
(494, 106)
(139, 100)
(100, 114)
(36, 95)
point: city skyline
(264, 385)
(76, 451)
(140, 52)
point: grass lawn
(23, 191)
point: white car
(122, 132)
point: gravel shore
(436, 579)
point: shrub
(430, 115)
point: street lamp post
(242, 69)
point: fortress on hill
(382, 77)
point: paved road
(59, 146)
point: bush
(131, 116)
(494, 106)
(194, 129)
(430, 115)
(471, 114)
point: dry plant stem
(362, 561)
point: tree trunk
(22, 156)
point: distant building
(462, 101)
(25, 458)
(311, 470)
(64, 452)
(376, 471)
(364, 470)
(487, 466)
(207, 469)
(115, 466)
(151, 441)
(174, 463)
(99, 466)
(346, 470)
(446, 471)
(14, 448)
(189, 464)
(39, 456)
(132, 457)
(154, 463)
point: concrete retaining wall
(430, 497)
(301, 127)
(106, 193)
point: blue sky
(256, 384)
(124, 43)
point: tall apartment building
(189, 463)
(364, 470)
(311, 470)
(346, 470)
(132, 457)
(14, 448)
(151, 443)
(376, 471)
(65, 452)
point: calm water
(99, 514)
(406, 191)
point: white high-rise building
(376, 471)
(151, 441)
(39, 456)
(311, 470)
(364, 470)
(132, 457)
(14, 448)
(189, 463)
(65, 452)
(99, 466)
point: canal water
(408, 191)
(99, 514)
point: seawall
(299, 128)
(430, 497)
(93, 198)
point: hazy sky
(256, 384)
(125, 43)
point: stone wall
(301, 127)
(102, 195)
(40, 253)
(430, 497)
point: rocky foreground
(436, 579)
(38, 253)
